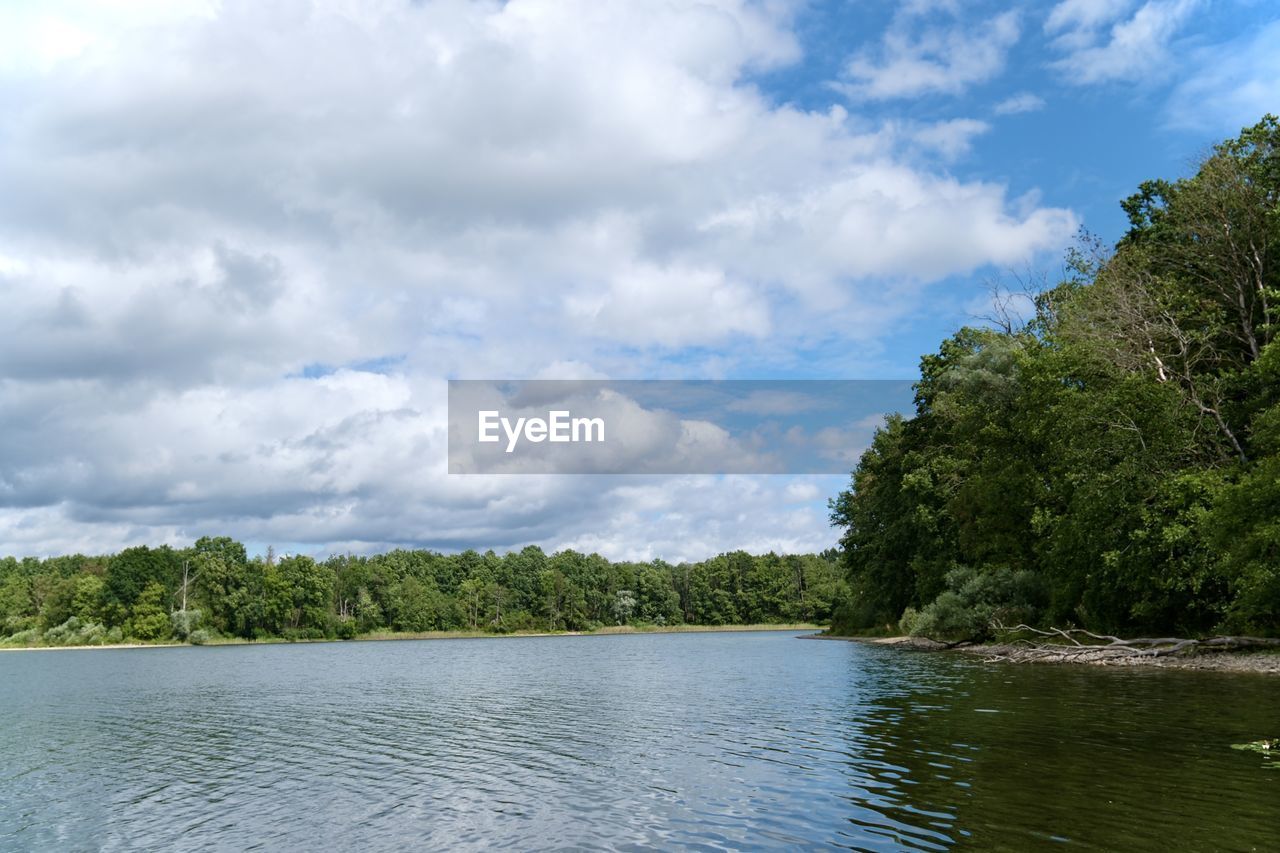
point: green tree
(1119, 446)
(148, 618)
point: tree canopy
(1112, 463)
(139, 593)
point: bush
(60, 635)
(20, 624)
(520, 620)
(29, 637)
(198, 637)
(293, 635)
(346, 629)
(975, 602)
(91, 634)
(73, 632)
(184, 622)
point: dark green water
(712, 741)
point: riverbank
(1265, 662)
(385, 636)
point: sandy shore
(106, 646)
(386, 636)
(1266, 662)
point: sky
(243, 245)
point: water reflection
(707, 741)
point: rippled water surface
(730, 740)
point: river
(707, 741)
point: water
(712, 741)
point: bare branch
(1109, 647)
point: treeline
(215, 589)
(1114, 462)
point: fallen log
(1065, 644)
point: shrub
(60, 635)
(520, 620)
(73, 632)
(20, 624)
(975, 602)
(293, 635)
(29, 637)
(184, 622)
(91, 634)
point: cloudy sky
(244, 244)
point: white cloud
(1072, 17)
(943, 60)
(689, 518)
(803, 491)
(203, 210)
(667, 306)
(1102, 43)
(951, 139)
(1023, 102)
(1232, 85)
(38, 36)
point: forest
(214, 590)
(1109, 457)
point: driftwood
(1061, 644)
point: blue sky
(1205, 70)
(243, 245)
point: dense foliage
(215, 589)
(1114, 462)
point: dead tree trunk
(1060, 644)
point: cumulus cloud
(913, 61)
(242, 244)
(667, 306)
(688, 518)
(1103, 42)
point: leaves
(1124, 445)
(1269, 749)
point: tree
(213, 587)
(471, 592)
(132, 570)
(148, 619)
(1118, 446)
(301, 591)
(624, 605)
(86, 598)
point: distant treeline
(215, 589)
(1113, 462)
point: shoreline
(395, 636)
(1254, 661)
